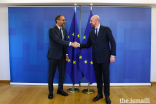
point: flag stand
(73, 90)
(88, 90)
(73, 66)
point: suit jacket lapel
(57, 31)
(99, 34)
(94, 35)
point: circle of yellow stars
(80, 57)
(74, 34)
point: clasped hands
(75, 44)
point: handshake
(75, 44)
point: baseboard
(153, 83)
(4, 81)
(85, 84)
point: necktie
(96, 32)
(61, 33)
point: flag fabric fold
(72, 66)
(85, 57)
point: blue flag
(85, 58)
(72, 66)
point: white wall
(153, 45)
(4, 45)
(80, 1)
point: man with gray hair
(102, 54)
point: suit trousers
(53, 63)
(102, 70)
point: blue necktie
(96, 32)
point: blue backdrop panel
(131, 28)
(29, 41)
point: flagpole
(88, 90)
(91, 6)
(73, 89)
(75, 7)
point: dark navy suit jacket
(57, 45)
(101, 50)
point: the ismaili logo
(145, 100)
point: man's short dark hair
(57, 17)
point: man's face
(92, 22)
(62, 21)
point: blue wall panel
(29, 41)
(131, 28)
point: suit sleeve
(86, 45)
(112, 41)
(53, 36)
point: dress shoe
(50, 96)
(108, 101)
(98, 97)
(62, 93)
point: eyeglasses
(62, 20)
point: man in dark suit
(57, 54)
(99, 39)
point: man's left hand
(112, 59)
(67, 57)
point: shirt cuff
(66, 54)
(113, 55)
(79, 45)
(69, 43)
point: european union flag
(85, 58)
(72, 66)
